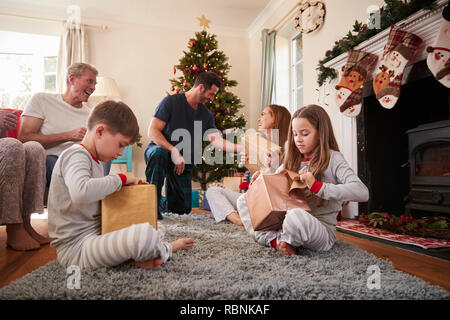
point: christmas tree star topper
(204, 22)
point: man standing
(57, 121)
(178, 113)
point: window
(28, 63)
(297, 72)
(289, 68)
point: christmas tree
(203, 55)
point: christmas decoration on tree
(392, 12)
(203, 55)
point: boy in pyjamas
(78, 185)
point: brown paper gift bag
(271, 195)
(232, 183)
(255, 147)
(132, 204)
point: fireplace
(404, 152)
(429, 162)
(375, 144)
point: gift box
(132, 204)
(205, 202)
(232, 183)
(195, 199)
(256, 146)
(271, 195)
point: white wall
(339, 19)
(141, 60)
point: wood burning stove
(429, 161)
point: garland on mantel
(392, 12)
(434, 226)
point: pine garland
(434, 227)
(392, 12)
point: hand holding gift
(271, 195)
(132, 180)
(307, 178)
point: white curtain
(268, 68)
(72, 48)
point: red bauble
(192, 43)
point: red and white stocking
(399, 50)
(349, 89)
(438, 59)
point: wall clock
(310, 16)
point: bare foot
(36, 236)
(149, 264)
(182, 244)
(235, 218)
(19, 239)
(286, 248)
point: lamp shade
(106, 88)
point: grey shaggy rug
(226, 264)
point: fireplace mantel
(425, 24)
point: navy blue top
(184, 122)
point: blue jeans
(50, 162)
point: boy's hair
(118, 117)
(77, 69)
(208, 79)
(282, 119)
(321, 155)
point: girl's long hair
(282, 120)
(321, 155)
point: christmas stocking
(349, 89)
(438, 59)
(400, 49)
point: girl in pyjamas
(312, 151)
(77, 187)
(223, 201)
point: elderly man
(178, 113)
(59, 120)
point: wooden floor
(14, 264)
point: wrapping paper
(130, 205)
(255, 147)
(271, 195)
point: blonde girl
(312, 151)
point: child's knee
(212, 192)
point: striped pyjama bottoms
(299, 229)
(139, 242)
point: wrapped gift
(132, 204)
(205, 202)
(232, 183)
(256, 146)
(271, 195)
(195, 199)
